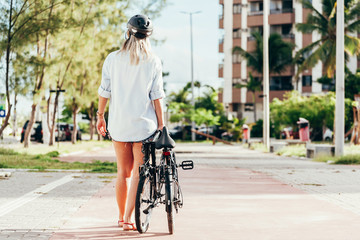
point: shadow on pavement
(103, 232)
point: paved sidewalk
(223, 203)
(233, 193)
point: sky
(174, 27)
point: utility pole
(192, 72)
(340, 90)
(58, 91)
(266, 122)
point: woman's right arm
(101, 124)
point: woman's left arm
(159, 113)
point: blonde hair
(136, 47)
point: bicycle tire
(169, 202)
(144, 198)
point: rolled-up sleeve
(105, 86)
(157, 90)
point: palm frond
(353, 27)
(352, 11)
(329, 50)
(352, 45)
(308, 5)
(329, 8)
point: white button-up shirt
(131, 89)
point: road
(233, 193)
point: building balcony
(236, 95)
(221, 45)
(236, 42)
(276, 17)
(255, 20)
(251, 44)
(221, 70)
(221, 2)
(236, 70)
(237, 21)
(285, 16)
(279, 11)
(221, 21)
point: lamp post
(192, 71)
(58, 91)
(266, 123)
(340, 91)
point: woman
(132, 80)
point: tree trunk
(254, 101)
(8, 49)
(75, 112)
(14, 117)
(53, 125)
(29, 126)
(91, 116)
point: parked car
(227, 136)
(293, 133)
(328, 135)
(178, 132)
(36, 133)
(78, 132)
(64, 131)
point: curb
(5, 174)
(72, 153)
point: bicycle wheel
(144, 204)
(178, 198)
(169, 193)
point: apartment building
(239, 18)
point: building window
(287, 5)
(236, 58)
(256, 8)
(236, 81)
(237, 8)
(281, 83)
(330, 86)
(237, 33)
(286, 29)
(306, 81)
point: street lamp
(340, 92)
(192, 70)
(58, 91)
(266, 123)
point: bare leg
(125, 163)
(138, 161)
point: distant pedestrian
(246, 133)
(132, 80)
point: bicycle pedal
(187, 165)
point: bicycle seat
(164, 141)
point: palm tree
(253, 85)
(325, 24)
(280, 53)
(280, 56)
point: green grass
(258, 147)
(42, 162)
(298, 150)
(346, 159)
(64, 147)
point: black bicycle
(159, 184)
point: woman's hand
(101, 126)
(161, 127)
